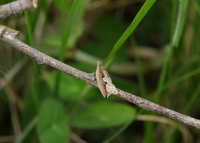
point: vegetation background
(159, 61)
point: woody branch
(16, 7)
(8, 35)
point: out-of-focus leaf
(102, 114)
(70, 87)
(53, 124)
(29, 109)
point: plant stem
(8, 35)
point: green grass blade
(173, 16)
(66, 32)
(29, 29)
(161, 82)
(179, 79)
(185, 76)
(68, 27)
(35, 88)
(143, 11)
(179, 22)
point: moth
(104, 81)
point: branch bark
(16, 7)
(9, 36)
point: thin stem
(163, 74)
(8, 35)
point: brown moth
(104, 81)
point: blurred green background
(150, 49)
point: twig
(16, 7)
(8, 35)
(150, 106)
